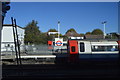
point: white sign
(52, 33)
(58, 41)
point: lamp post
(58, 29)
(104, 24)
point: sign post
(59, 44)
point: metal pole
(104, 24)
(58, 29)
(15, 41)
(104, 31)
(1, 25)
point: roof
(11, 25)
(96, 40)
(73, 34)
(94, 36)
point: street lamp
(58, 29)
(104, 23)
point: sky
(82, 16)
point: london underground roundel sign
(59, 43)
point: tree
(112, 36)
(88, 33)
(81, 34)
(32, 33)
(71, 30)
(97, 32)
(52, 30)
(43, 38)
(51, 36)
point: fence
(37, 49)
(41, 49)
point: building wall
(7, 41)
(7, 34)
(21, 33)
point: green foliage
(43, 38)
(88, 33)
(34, 36)
(65, 38)
(82, 34)
(56, 35)
(52, 30)
(107, 37)
(111, 36)
(97, 32)
(32, 33)
(49, 38)
(71, 30)
(114, 36)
